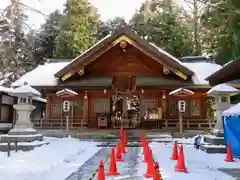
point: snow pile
(199, 164)
(54, 161)
(232, 111)
(202, 70)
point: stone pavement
(127, 168)
(88, 168)
(232, 172)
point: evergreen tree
(161, 22)
(105, 28)
(221, 19)
(45, 44)
(16, 47)
(78, 28)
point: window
(195, 107)
(56, 110)
(5, 113)
(186, 113)
(224, 99)
(102, 105)
(78, 110)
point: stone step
(211, 139)
(213, 149)
(217, 133)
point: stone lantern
(24, 108)
(23, 130)
(221, 94)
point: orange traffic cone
(101, 175)
(175, 152)
(119, 153)
(156, 173)
(150, 167)
(112, 166)
(181, 163)
(229, 157)
(146, 153)
(123, 146)
(121, 132)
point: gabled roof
(161, 56)
(230, 71)
(36, 77)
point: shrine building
(123, 81)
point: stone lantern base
(23, 136)
(21, 140)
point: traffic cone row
(152, 168)
(120, 149)
(180, 167)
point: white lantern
(66, 106)
(181, 106)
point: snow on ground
(199, 164)
(54, 161)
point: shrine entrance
(125, 110)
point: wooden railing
(189, 123)
(59, 123)
(75, 123)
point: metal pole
(8, 148)
(180, 123)
(67, 125)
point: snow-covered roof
(232, 111)
(66, 90)
(168, 55)
(6, 89)
(25, 90)
(176, 91)
(11, 91)
(223, 89)
(202, 70)
(43, 75)
(39, 99)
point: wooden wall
(90, 109)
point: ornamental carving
(166, 70)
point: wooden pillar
(85, 110)
(164, 108)
(48, 108)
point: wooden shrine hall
(122, 81)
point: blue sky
(106, 8)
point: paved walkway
(232, 172)
(127, 168)
(88, 168)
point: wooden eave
(229, 72)
(107, 43)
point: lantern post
(66, 106)
(181, 92)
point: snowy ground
(199, 164)
(62, 157)
(49, 162)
